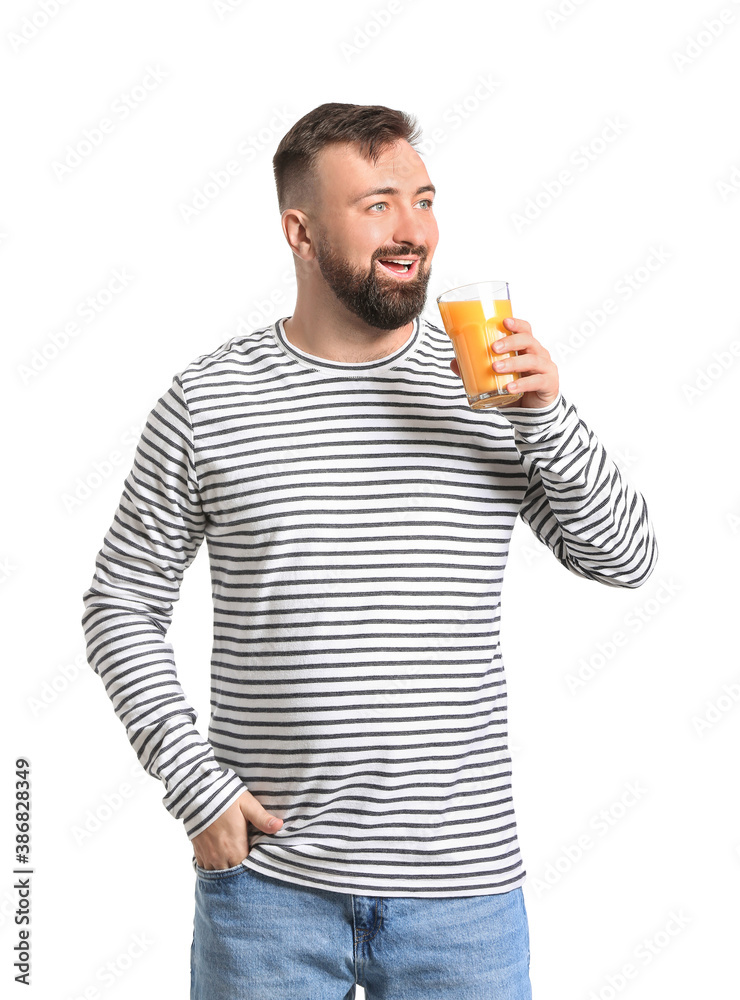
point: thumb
(258, 816)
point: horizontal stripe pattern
(357, 518)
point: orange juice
(472, 334)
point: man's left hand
(538, 378)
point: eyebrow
(392, 190)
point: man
(350, 812)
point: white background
(649, 908)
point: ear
(296, 225)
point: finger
(531, 383)
(515, 342)
(224, 851)
(258, 816)
(523, 363)
(225, 854)
(220, 864)
(517, 325)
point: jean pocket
(217, 873)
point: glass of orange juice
(473, 316)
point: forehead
(341, 169)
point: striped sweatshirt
(358, 519)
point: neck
(327, 329)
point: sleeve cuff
(536, 418)
(203, 795)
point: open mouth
(400, 268)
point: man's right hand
(225, 842)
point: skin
(337, 242)
(349, 308)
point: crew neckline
(347, 367)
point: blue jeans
(262, 938)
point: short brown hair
(372, 126)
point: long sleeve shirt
(358, 519)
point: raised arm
(577, 502)
(156, 533)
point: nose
(411, 226)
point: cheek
(374, 233)
(359, 240)
(432, 238)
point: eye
(424, 201)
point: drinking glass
(473, 316)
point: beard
(379, 301)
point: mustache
(419, 252)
